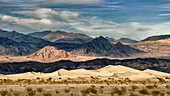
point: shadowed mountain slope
(102, 47)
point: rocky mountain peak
(49, 53)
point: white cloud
(47, 19)
(164, 15)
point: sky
(135, 19)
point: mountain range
(21, 44)
(17, 44)
(62, 37)
(102, 47)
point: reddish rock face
(49, 53)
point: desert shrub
(31, 93)
(144, 92)
(168, 93)
(93, 86)
(117, 91)
(150, 86)
(84, 92)
(132, 94)
(71, 94)
(56, 91)
(4, 92)
(16, 93)
(162, 94)
(155, 85)
(167, 86)
(155, 93)
(39, 90)
(11, 90)
(101, 89)
(47, 94)
(89, 90)
(123, 90)
(67, 90)
(134, 87)
(28, 89)
(71, 87)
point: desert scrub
(133, 88)
(89, 90)
(144, 92)
(56, 91)
(167, 87)
(31, 93)
(155, 93)
(67, 90)
(47, 94)
(132, 94)
(150, 86)
(28, 89)
(101, 89)
(117, 91)
(16, 93)
(4, 92)
(40, 90)
(168, 93)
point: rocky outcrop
(49, 53)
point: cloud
(48, 19)
(164, 14)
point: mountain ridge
(102, 47)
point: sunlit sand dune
(106, 72)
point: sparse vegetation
(47, 94)
(118, 87)
(144, 92)
(16, 93)
(39, 90)
(4, 92)
(67, 90)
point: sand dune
(108, 71)
(117, 69)
(157, 73)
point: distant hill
(154, 38)
(49, 53)
(158, 48)
(127, 40)
(62, 37)
(40, 34)
(112, 40)
(102, 47)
